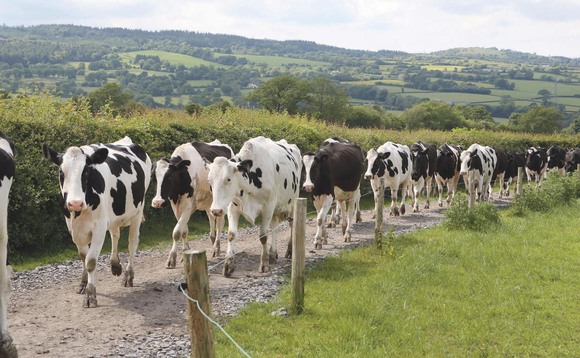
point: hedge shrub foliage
(36, 221)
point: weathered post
(519, 180)
(198, 289)
(379, 203)
(298, 256)
(578, 169)
(471, 201)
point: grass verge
(512, 291)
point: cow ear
(385, 155)
(51, 154)
(164, 159)
(183, 164)
(245, 165)
(99, 156)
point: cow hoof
(90, 297)
(229, 267)
(347, 237)
(415, 209)
(427, 206)
(264, 268)
(82, 288)
(440, 204)
(128, 278)
(116, 268)
(288, 254)
(7, 348)
(318, 246)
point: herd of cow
(103, 188)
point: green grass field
(436, 293)
(173, 58)
(278, 61)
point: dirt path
(47, 319)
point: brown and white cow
(7, 168)
(447, 171)
(424, 158)
(262, 179)
(334, 172)
(390, 162)
(103, 188)
(481, 160)
(182, 180)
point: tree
(110, 95)
(538, 120)
(432, 115)
(545, 96)
(366, 117)
(282, 93)
(327, 100)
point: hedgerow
(35, 219)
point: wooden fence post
(379, 203)
(519, 180)
(195, 265)
(471, 202)
(298, 256)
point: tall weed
(555, 191)
(484, 217)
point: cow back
(448, 163)
(424, 157)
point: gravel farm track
(46, 317)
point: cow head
(470, 160)
(536, 158)
(224, 177)
(77, 172)
(375, 163)
(173, 181)
(420, 160)
(313, 167)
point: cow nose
(75, 205)
(462, 173)
(217, 212)
(308, 188)
(157, 203)
(367, 177)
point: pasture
(435, 292)
(173, 58)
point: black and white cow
(536, 165)
(499, 172)
(335, 214)
(262, 179)
(515, 160)
(556, 159)
(447, 171)
(7, 168)
(182, 180)
(103, 188)
(390, 162)
(481, 160)
(572, 160)
(424, 157)
(334, 173)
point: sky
(543, 27)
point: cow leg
(322, 204)
(350, 214)
(116, 268)
(440, 192)
(288, 254)
(375, 186)
(7, 348)
(219, 224)
(233, 220)
(133, 245)
(83, 251)
(406, 188)
(97, 241)
(427, 192)
(417, 188)
(180, 232)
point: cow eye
(229, 180)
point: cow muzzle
(308, 188)
(368, 177)
(157, 203)
(217, 212)
(75, 205)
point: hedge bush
(35, 220)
